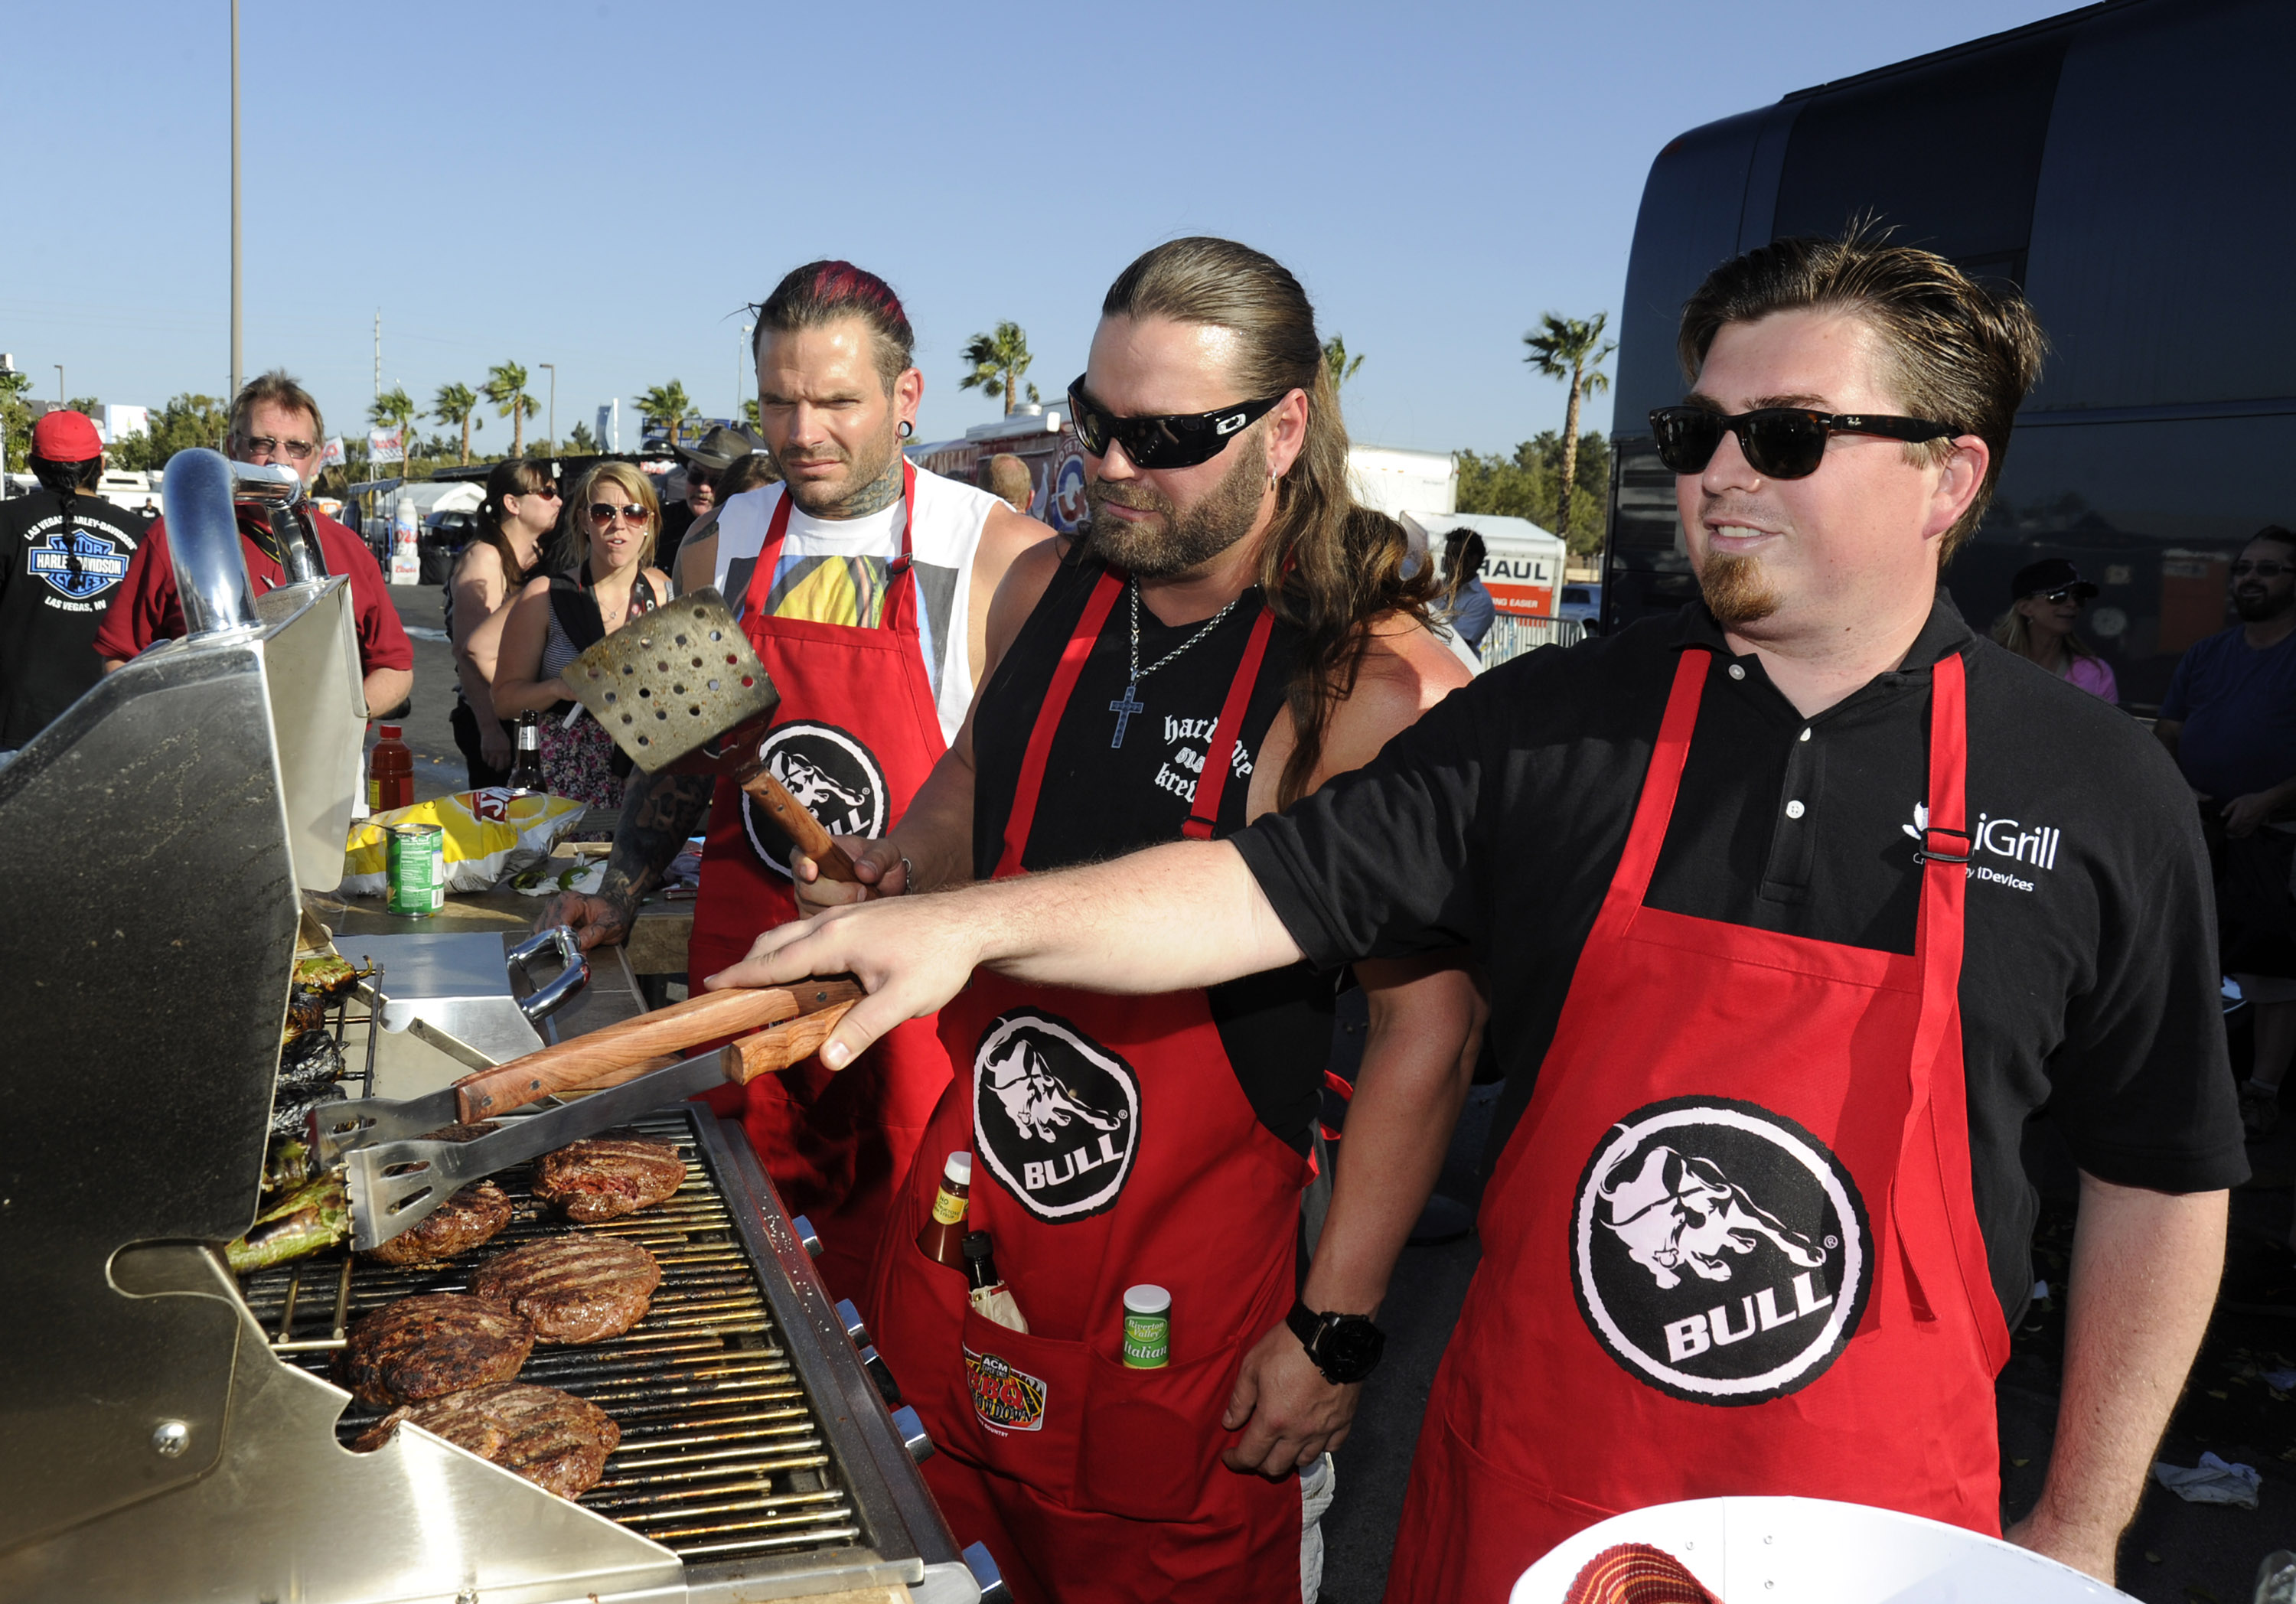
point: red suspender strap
(769, 554)
(1023, 817)
(1659, 786)
(1213, 781)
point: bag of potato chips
(489, 833)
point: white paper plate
(1811, 1550)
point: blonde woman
(2044, 603)
(611, 521)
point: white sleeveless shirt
(834, 571)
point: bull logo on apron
(832, 776)
(1720, 1252)
(1056, 1114)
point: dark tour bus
(2129, 166)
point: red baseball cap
(65, 437)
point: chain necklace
(1130, 703)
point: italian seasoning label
(1147, 1328)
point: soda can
(415, 870)
(1147, 1328)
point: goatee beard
(873, 480)
(2259, 609)
(1179, 541)
(1736, 591)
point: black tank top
(1099, 801)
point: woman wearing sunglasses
(611, 525)
(2044, 603)
(517, 516)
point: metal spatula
(668, 682)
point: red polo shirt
(145, 607)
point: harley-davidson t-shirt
(59, 573)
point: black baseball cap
(2049, 573)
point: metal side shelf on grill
(753, 1445)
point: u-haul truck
(1522, 566)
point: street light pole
(238, 366)
(59, 382)
(553, 401)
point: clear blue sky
(603, 184)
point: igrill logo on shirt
(86, 565)
(832, 776)
(1719, 1251)
(1006, 1399)
(1056, 1114)
(2033, 845)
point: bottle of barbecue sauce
(942, 1240)
(389, 772)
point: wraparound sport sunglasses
(1163, 440)
(1780, 442)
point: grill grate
(722, 1454)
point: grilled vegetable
(309, 1218)
(307, 1010)
(286, 1164)
(330, 974)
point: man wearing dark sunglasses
(1144, 688)
(2230, 719)
(1797, 908)
(274, 419)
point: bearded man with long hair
(1229, 631)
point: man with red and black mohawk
(864, 583)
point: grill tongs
(395, 1180)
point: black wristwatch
(1344, 1346)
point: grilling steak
(551, 1438)
(437, 1343)
(472, 1216)
(574, 1288)
(608, 1176)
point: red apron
(1111, 1146)
(855, 736)
(1733, 1250)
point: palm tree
(1341, 365)
(505, 387)
(998, 361)
(1571, 349)
(458, 403)
(667, 405)
(395, 408)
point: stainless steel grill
(722, 1454)
(169, 1437)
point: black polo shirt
(2088, 983)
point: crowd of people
(1738, 900)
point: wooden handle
(799, 825)
(586, 1062)
(774, 1049)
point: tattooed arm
(659, 813)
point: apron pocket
(1026, 1402)
(1151, 1441)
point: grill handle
(573, 974)
(211, 581)
(583, 1062)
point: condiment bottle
(526, 771)
(992, 1299)
(942, 1240)
(1147, 1328)
(389, 772)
